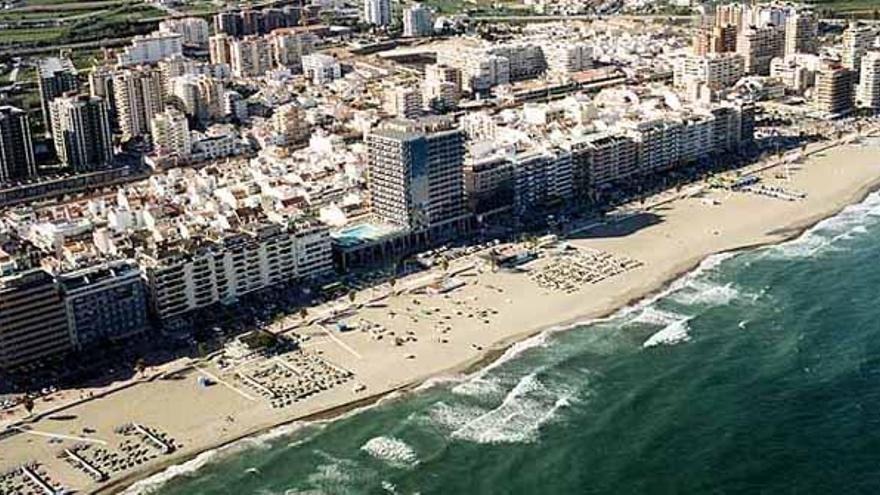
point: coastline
(562, 312)
(783, 234)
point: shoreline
(492, 318)
(781, 234)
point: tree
(352, 296)
(140, 366)
(444, 264)
(303, 313)
(392, 282)
(28, 403)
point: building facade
(57, 76)
(81, 132)
(416, 173)
(16, 147)
(33, 320)
(104, 303)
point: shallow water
(757, 373)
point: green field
(118, 19)
(845, 8)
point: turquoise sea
(758, 372)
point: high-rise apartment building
(377, 12)
(197, 273)
(417, 21)
(565, 58)
(150, 48)
(416, 173)
(219, 49)
(139, 95)
(81, 131)
(171, 136)
(250, 56)
(857, 39)
(101, 84)
(801, 33)
(33, 320)
(289, 122)
(104, 303)
(715, 70)
(442, 87)
(833, 94)
(758, 46)
(715, 39)
(194, 30)
(56, 77)
(289, 46)
(16, 147)
(403, 102)
(868, 93)
(321, 68)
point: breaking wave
(674, 333)
(392, 450)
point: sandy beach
(406, 338)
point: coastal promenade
(401, 336)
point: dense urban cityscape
(222, 185)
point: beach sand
(448, 334)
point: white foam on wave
(525, 409)
(655, 316)
(706, 293)
(391, 450)
(334, 474)
(456, 416)
(671, 334)
(846, 225)
(156, 481)
(479, 386)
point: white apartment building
(541, 177)
(150, 48)
(611, 156)
(479, 71)
(139, 95)
(715, 70)
(801, 33)
(659, 143)
(195, 30)
(219, 49)
(566, 58)
(290, 124)
(191, 275)
(868, 92)
(377, 12)
(797, 72)
(857, 39)
(417, 21)
(171, 136)
(759, 46)
(201, 95)
(403, 102)
(289, 46)
(321, 68)
(250, 56)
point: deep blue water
(757, 373)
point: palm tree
(303, 313)
(28, 403)
(140, 366)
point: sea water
(758, 372)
